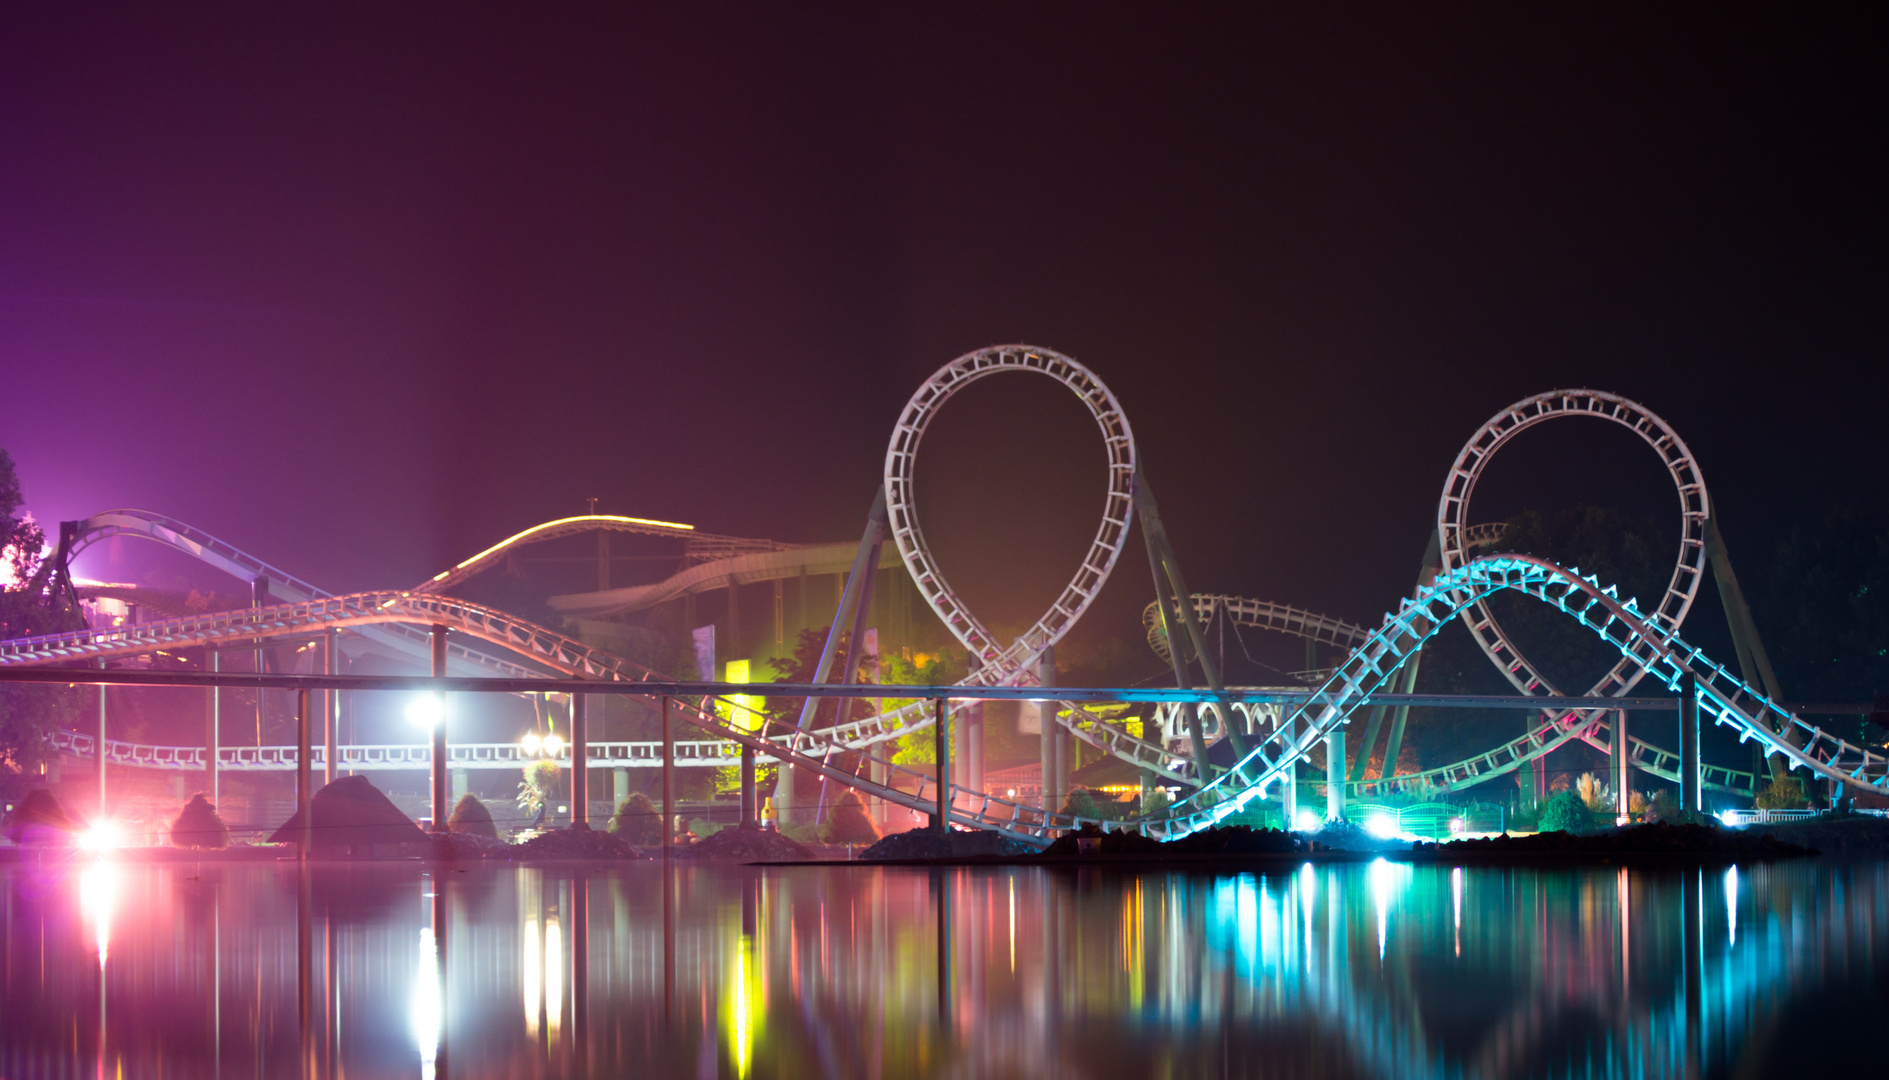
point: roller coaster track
(1649, 648)
(1648, 644)
(813, 751)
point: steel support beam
(668, 782)
(580, 764)
(304, 798)
(941, 741)
(1335, 775)
(440, 809)
(1689, 765)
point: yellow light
(535, 529)
(740, 1019)
(741, 710)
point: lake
(233, 970)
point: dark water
(1371, 970)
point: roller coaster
(1264, 741)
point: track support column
(668, 782)
(331, 710)
(440, 809)
(941, 740)
(101, 743)
(580, 764)
(1335, 775)
(304, 801)
(750, 817)
(1689, 766)
(1623, 771)
(212, 736)
(1289, 802)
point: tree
(1566, 813)
(849, 823)
(471, 816)
(198, 825)
(34, 599)
(637, 821)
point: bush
(637, 822)
(1598, 797)
(849, 822)
(1566, 813)
(470, 816)
(1081, 803)
(199, 826)
(1663, 806)
(540, 785)
(1784, 793)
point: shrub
(1663, 806)
(1784, 793)
(539, 786)
(1081, 803)
(807, 833)
(1598, 797)
(470, 816)
(849, 823)
(637, 822)
(1566, 813)
(199, 826)
(1156, 802)
(1637, 805)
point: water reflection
(1379, 969)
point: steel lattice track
(1649, 648)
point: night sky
(363, 292)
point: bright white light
(103, 836)
(99, 886)
(531, 744)
(1456, 824)
(424, 1007)
(427, 711)
(1382, 826)
(1012, 793)
(1307, 821)
(553, 745)
(1731, 904)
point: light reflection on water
(1377, 969)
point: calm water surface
(1370, 970)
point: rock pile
(746, 845)
(571, 844)
(924, 843)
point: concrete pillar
(1335, 775)
(619, 787)
(461, 781)
(440, 807)
(580, 764)
(1689, 745)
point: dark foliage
(39, 819)
(850, 824)
(1824, 613)
(199, 826)
(1081, 803)
(1565, 812)
(470, 816)
(1223, 840)
(1636, 840)
(1784, 793)
(637, 822)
